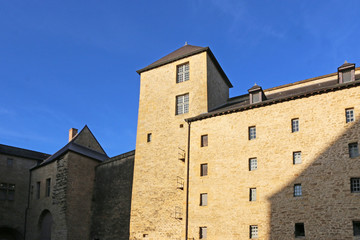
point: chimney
(72, 133)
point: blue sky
(65, 64)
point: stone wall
(112, 198)
(326, 207)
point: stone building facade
(278, 163)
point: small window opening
(253, 231)
(356, 228)
(295, 125)
(252, 195)
(353, 150)
(203, 199)
(349, 113)
(203, 169)
(252, 133)
(299, 230)
(149, 135)
(204, 140)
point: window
(182, 104)
(296, 157)
(203, 199)
(346, 76)
(295, 125)
(355, 185)
(356, 228)
(203, 233)
(32, 192)
(255, 97)
(203, 169)
(299, 230)
(182, 73)
(10, 162)
(252, 133)
(349, 113)
(253, 231)
(204, 140)
(7, 191)
(48, 187)
(252, 194)
(38, 190)
(353, 150)
(297, 190)
(252, 164)
(148, 137)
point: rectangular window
(204, 140)
(355, 185)
(48, 187)
(346, 76)
(296, 157)
(183, 73)
(353, 150)
(3, 191)
(252, 194)
(203, 169)
(253, 231)
(203, 233)
(255, 97)
(295, 125)
(32, 192)
(356, 228)
(299, 230)
(148, 137)
(10, 162)
(203, 199)
(252, 133)
(252, 164)
(182, 104)
(11, 192)
(349, 113)
(297, 190)
(38, 190)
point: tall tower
(183, 84)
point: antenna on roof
(186, 43)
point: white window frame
(349, 115)
(183, 73)
(254, 230)
(252, 164)
(297, 158)
(182, 104)
(295, 125)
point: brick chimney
(72, 133)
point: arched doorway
(45, 225)
(9, 234)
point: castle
(278, 163)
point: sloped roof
(21, 152)
(77, 148)
(242, 103)
(183, 52)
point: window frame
(349, 115)
(203, 169)
(252, 132)
(296, 159)
(252, 195)
(253, 167)
(203, 199)
(184, 72)
(353, 150)
(295, 125)
(297, 190)
(183, 105)
(355, 186)
(254, 231)
(204, 140)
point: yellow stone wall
(327, 207)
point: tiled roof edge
(274, 101)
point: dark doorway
(45, 225)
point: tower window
(253, 231)
(296, 157)
(252, 133)
(203, 199)
(299, 230)
(182, 104)
(148, 139)
(355, 185)
(252, 164)
(183, 73)
(295, 125)
(252, 194)
(48, 187)
(203, 233)
(204, 169)
(353, 150)
(297, 190)
(204, 140)
(356, 228)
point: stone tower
(183, 84)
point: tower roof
(183, 52)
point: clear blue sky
(65, 64)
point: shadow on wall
(7, 233)
(326, 207)
(112, 199)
